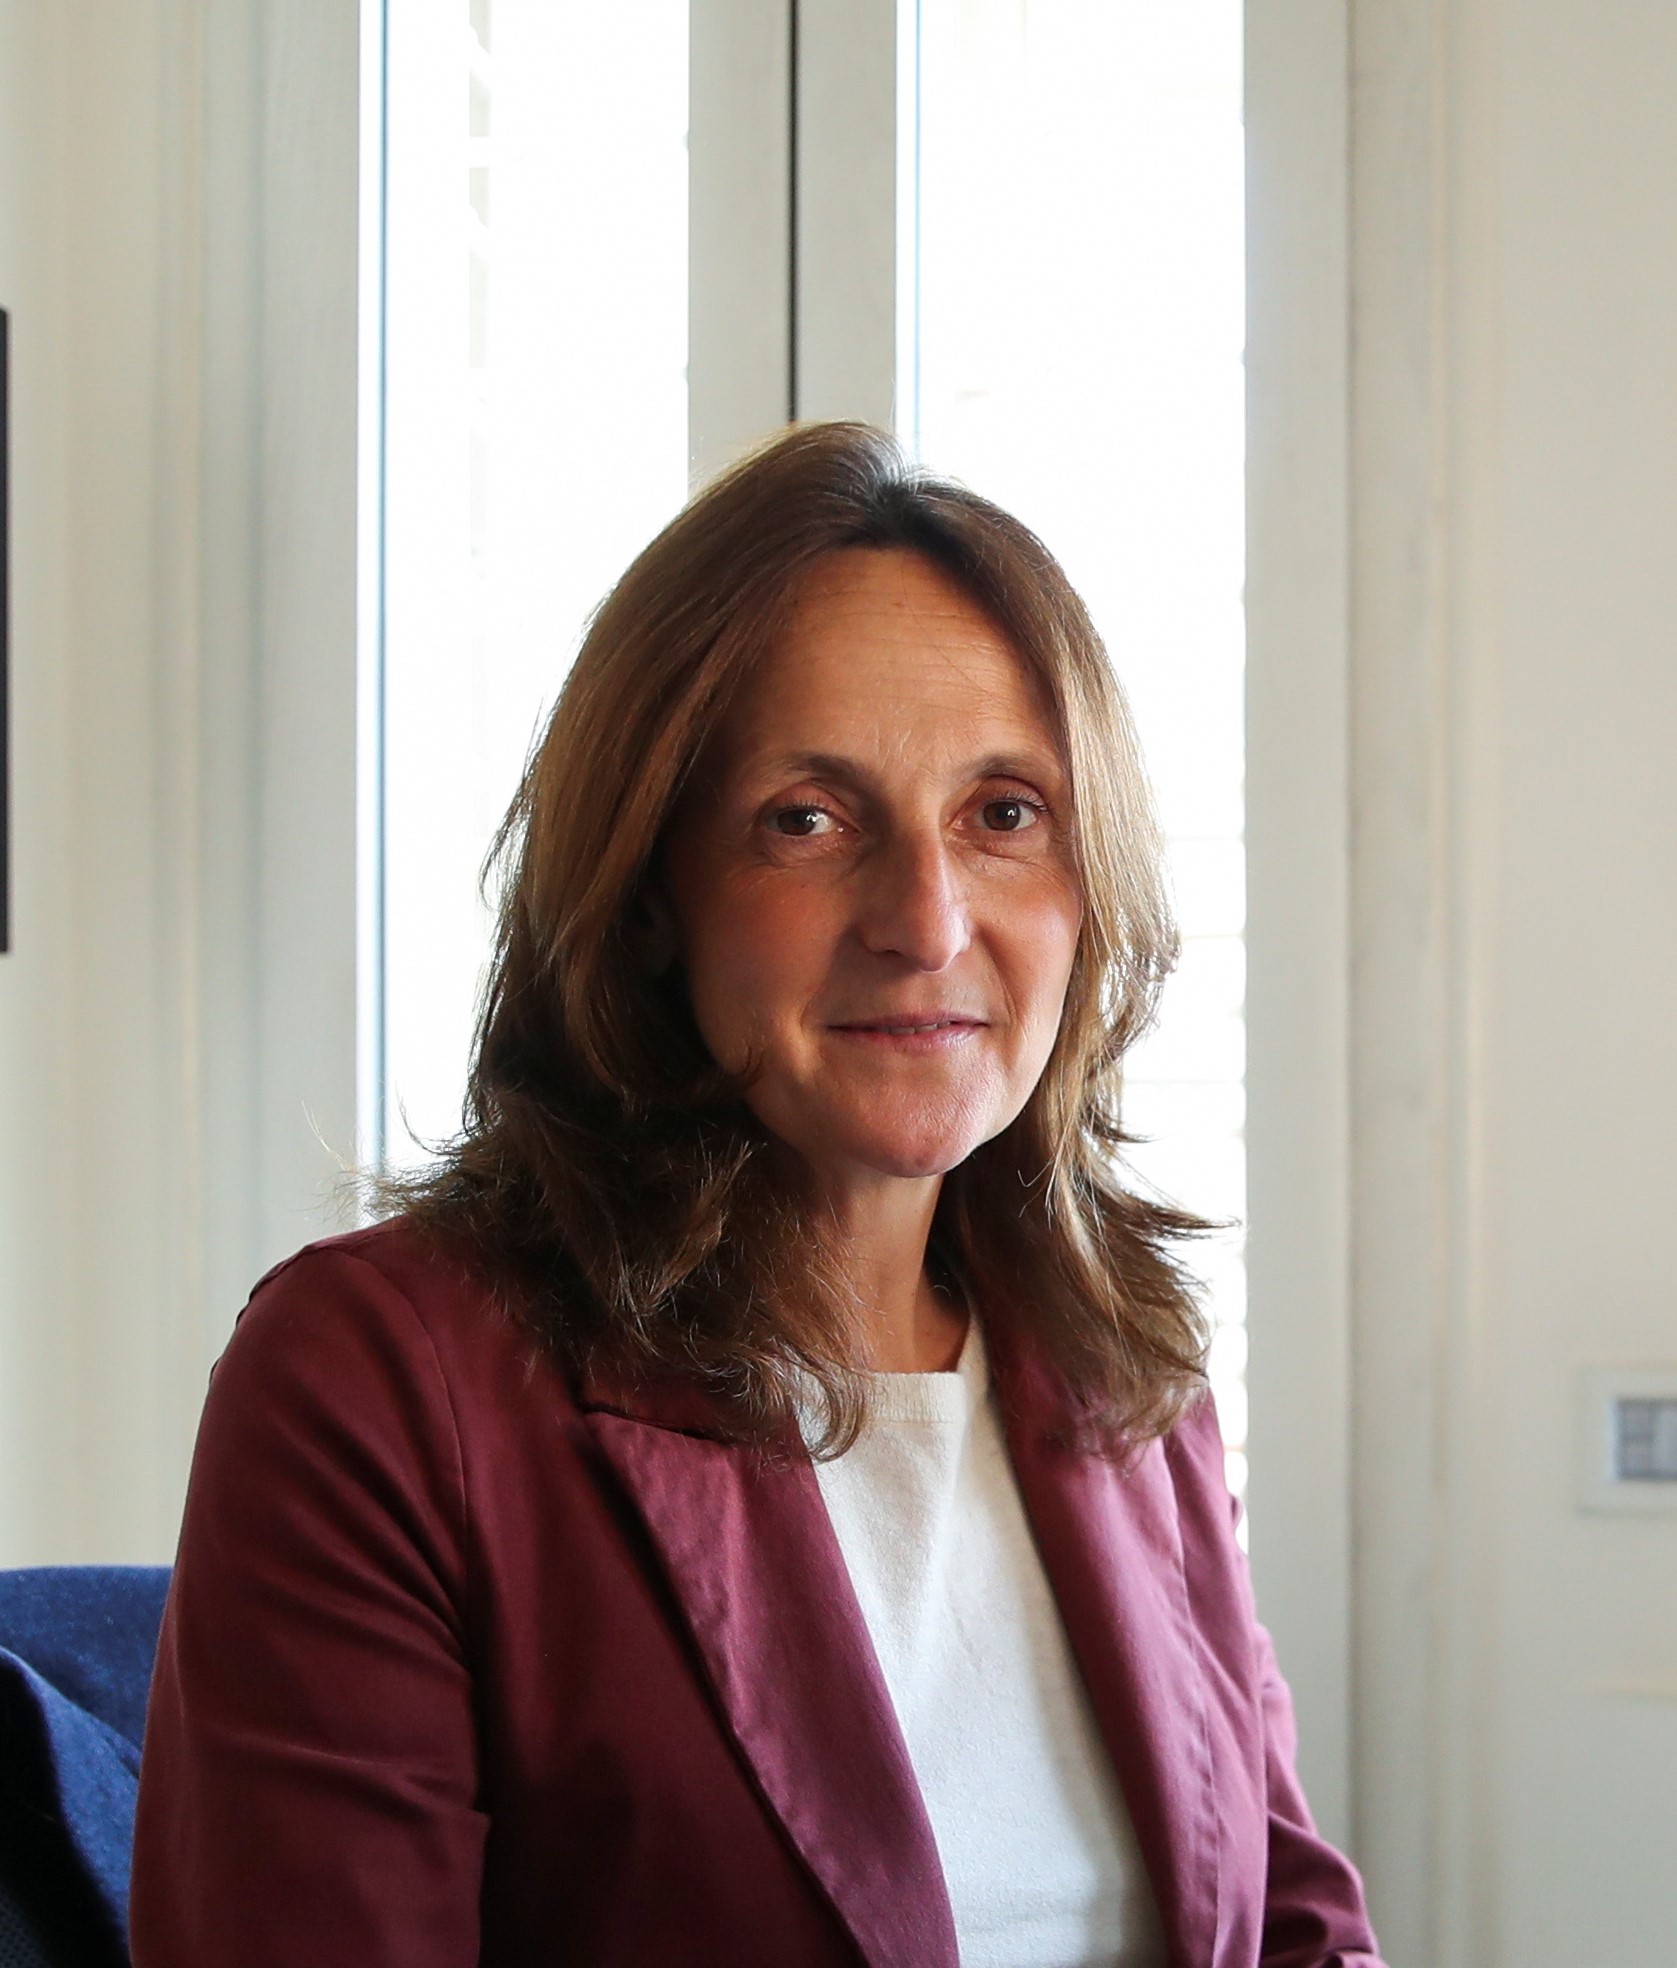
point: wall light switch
(1627, 1439)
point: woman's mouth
(920, 1033)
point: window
(535, 438)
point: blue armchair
(76, 1650)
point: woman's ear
(654, 933)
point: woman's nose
(914, 905)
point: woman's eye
(1010, 816)
(800, 822)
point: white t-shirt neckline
(950, 1396)
(1038, 1850)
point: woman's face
(873, 882)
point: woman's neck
(883, 1229)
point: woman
(758, 1504)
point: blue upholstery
(76, 1648)
(21, 1942)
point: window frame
(1298, 841)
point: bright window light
(536, 439)
(1081, 321)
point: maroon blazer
(461, 1665)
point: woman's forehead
(885, 589)
(882, 640)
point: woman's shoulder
(1194, 1441)
(385, 1301)
(396, 1248)
(1208, 1512)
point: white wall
(37, 1366)
(96, 1123)
(183, 329)
(1514, 1059)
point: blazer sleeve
(1314, 1916)
(308, 1790)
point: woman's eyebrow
(818, 765)
(1017, 765)
(1032, 765)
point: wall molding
(1298, 872)
(1421, 1378)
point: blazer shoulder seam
(468, 1543)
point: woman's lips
(934, 1032)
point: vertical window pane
(536, 438)
(1081, 304)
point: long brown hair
(613, 1181)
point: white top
(1037, 1847)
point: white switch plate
(1601, 1486)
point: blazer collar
(752, 1558)
(1110, 1542)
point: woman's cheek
(756, 968)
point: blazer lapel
(1111, 1546)
(752, 1559)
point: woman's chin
(922, 1167)
(915, 1157)
(870, 1136)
